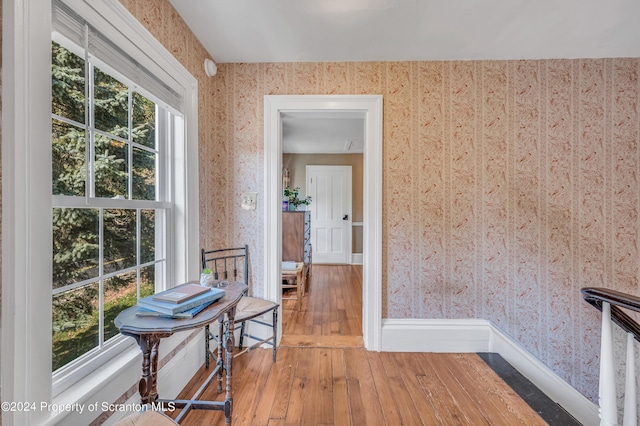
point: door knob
(345, 217)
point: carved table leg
(220, 360)
(149, 344)
(207, 339)
(230, 346)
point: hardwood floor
(323, 375)
(332, 306)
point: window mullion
(163, 134)
(68, 120)
(163, 232)
(91, 135)
(101, 280)
(129, 145)
(138, 235)
(88, 117)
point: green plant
(206, 271)
(292, 195)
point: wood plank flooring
(323, 375)
(332, 305)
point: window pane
(103, 138)
(144, 121)
(119, 239)
(68, 155)
(147, 236)
(67, 83)
(111, 168)
(75, 324)
(144, 175)
(119, 294)
(147, 280)
(111, 104)
(75, 245)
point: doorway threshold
(301, 341)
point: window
(109, 31)
(109, 213)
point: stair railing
(609, 303)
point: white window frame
(26, 185)
(84, 364)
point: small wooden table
(147, 331)
(297, 275)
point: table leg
(149, 344)
(220, 360)
(230, 345)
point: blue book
(190, 313)
(169, 308)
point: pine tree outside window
(110, 205)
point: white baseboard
(585, 411)
(357, 258)
(421, 335)
(424, 335)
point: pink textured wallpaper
(508, 185)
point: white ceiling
(328, 132)
(389, 30)
(397, 30)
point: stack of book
(183, 301)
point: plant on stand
(294, 201)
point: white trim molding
(26, 206)
(423, 335)
(471, 335)
(576, 404)
(26, 192)
(371, 105)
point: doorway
(371, 105)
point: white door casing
(330, 191)
(371, 105)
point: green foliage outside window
(120, 170)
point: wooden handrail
(596, 295)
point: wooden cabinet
(296, 238)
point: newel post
(630, 415)
(607, 391)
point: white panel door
(330, 191)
